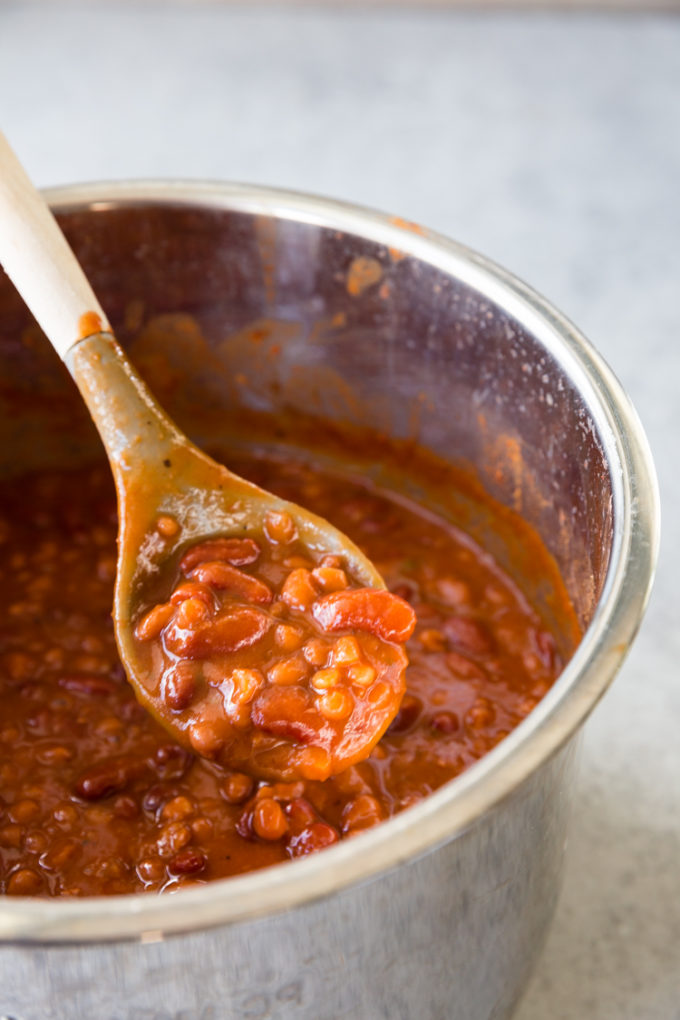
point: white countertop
(549, 142)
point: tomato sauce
(95, 798)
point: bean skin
(222, 576)
(179, 686)
(187, 862)
(24, 882)
(237, 551)
(109, 776)
(280, 527)
(238, 629)
(151, 625)
(316, 837)
(269, 820)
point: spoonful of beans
(256, 633)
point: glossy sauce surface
(271, 661)
(94, 796)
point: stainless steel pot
(440, 912)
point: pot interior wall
(234, 317)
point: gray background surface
(550, 142)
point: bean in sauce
(96, 799)
(270, 662)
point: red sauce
(94, 796)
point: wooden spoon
(159, 474)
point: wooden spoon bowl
(171, 498)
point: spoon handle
(136, 431)
(36, 256)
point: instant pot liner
(248, 304)
(224, 312)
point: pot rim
(453, 808)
